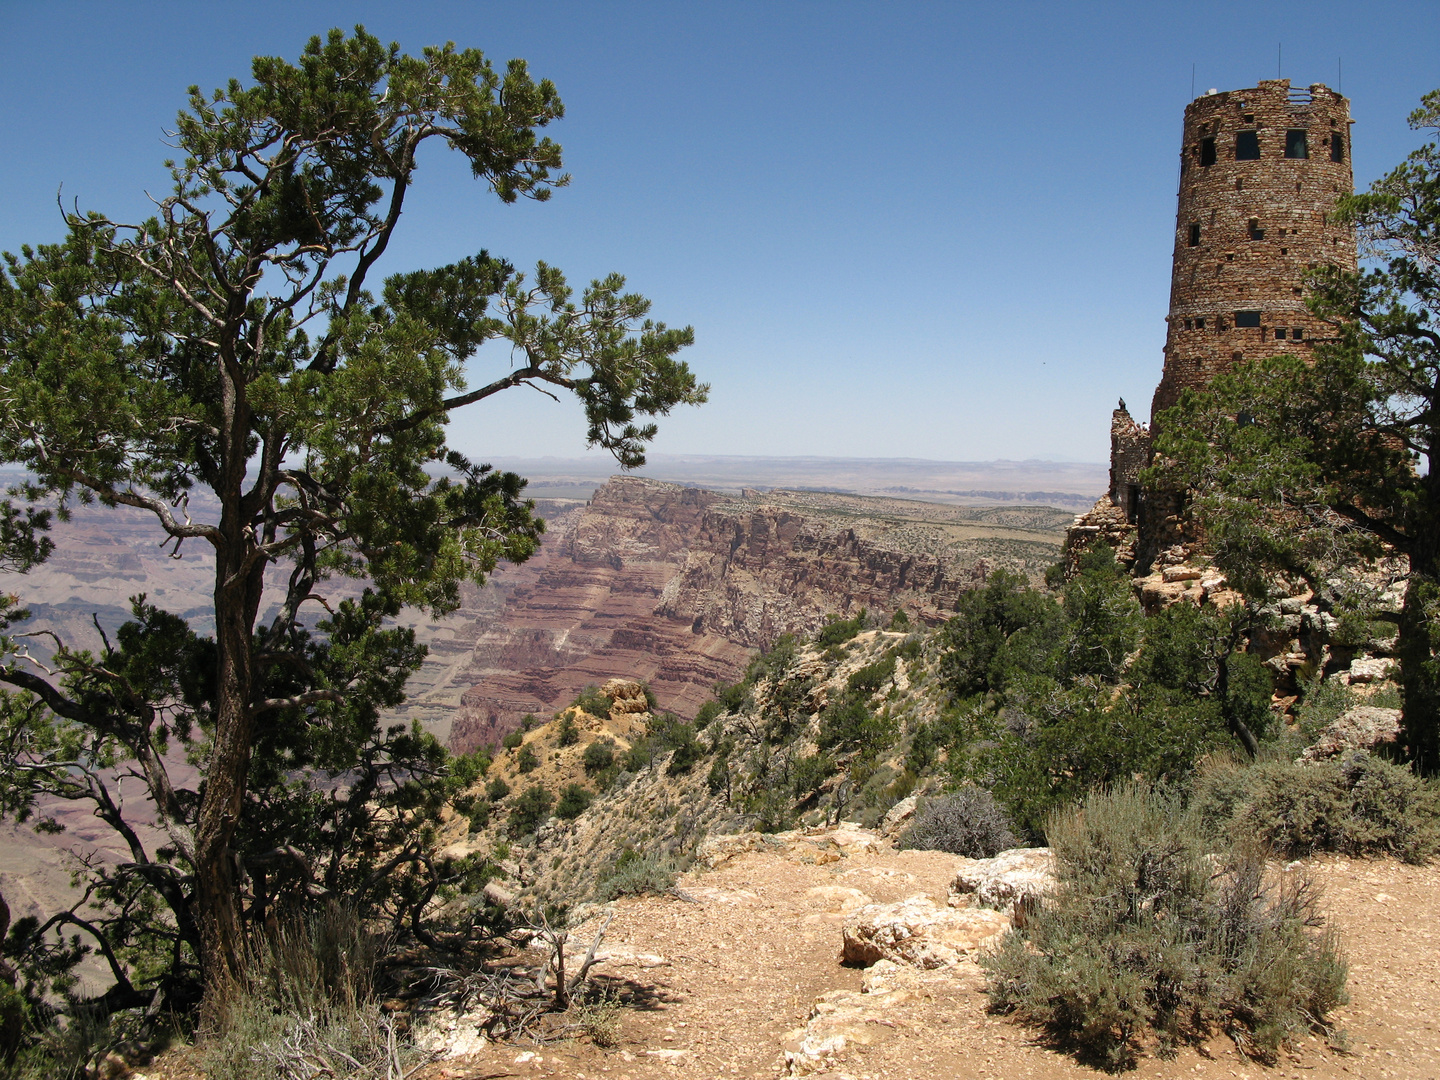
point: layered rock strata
(677, 586)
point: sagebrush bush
(1356, 805)
(1154, 934)
(966, 822)
(635, 874)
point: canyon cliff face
(677, 587)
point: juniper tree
(239, 344)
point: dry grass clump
(306, 1007)
(1153, 937)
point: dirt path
(715, 986)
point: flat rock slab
(919, 932)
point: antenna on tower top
(1339, 78)
(1192, 82)
(1277, 60)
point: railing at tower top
(1299, 98)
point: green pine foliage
(567, 734)
(529, 811)
(575, 799)
(526, 760)
(598, 756)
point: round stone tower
(1259, 174)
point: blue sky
(899, 229)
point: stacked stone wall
(1249, 229)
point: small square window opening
(1295, 144)
(1279, 333)
(1247, 146)
(1247, 318)
(1297, 334)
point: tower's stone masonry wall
(1129, 453)
(1252, 222)
(1260, 171)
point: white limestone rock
(919, 932)
(1010, 882)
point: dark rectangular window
(1337, 146)
(1194, 234)
(1247, 318)
(1280, 333)
(1207, 151)
(1297, 334)
(1189, 324)
(1247, 146)
(1199, 324)
(1254, 231)
(1295, 144)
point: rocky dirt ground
(721, 979)
(720, 984)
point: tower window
(1255, 232)
(1199, 324)
(1246, 318)
(1207, 150)
(1194, 234)
(1189, 324)
(1297, 334)
(1337, 146)
(1247, 146)
(1295, 144)
(1280, 333)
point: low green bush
(592, 701)
(966, 822)
(635, 874)
(837, 631)
(512, 740)
(1356, 805)
(598, 756)
(1154, 934)
(872, 677)
(497, 789)
(526, 761)
(479, 814)
(567, 734)
(574, 801)
(531, 809)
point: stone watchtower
(1260, 171)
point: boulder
(1363, 727)
(919, 932)
(1010, 882)
(626, 695)
(1367, 669)
(898, 818)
